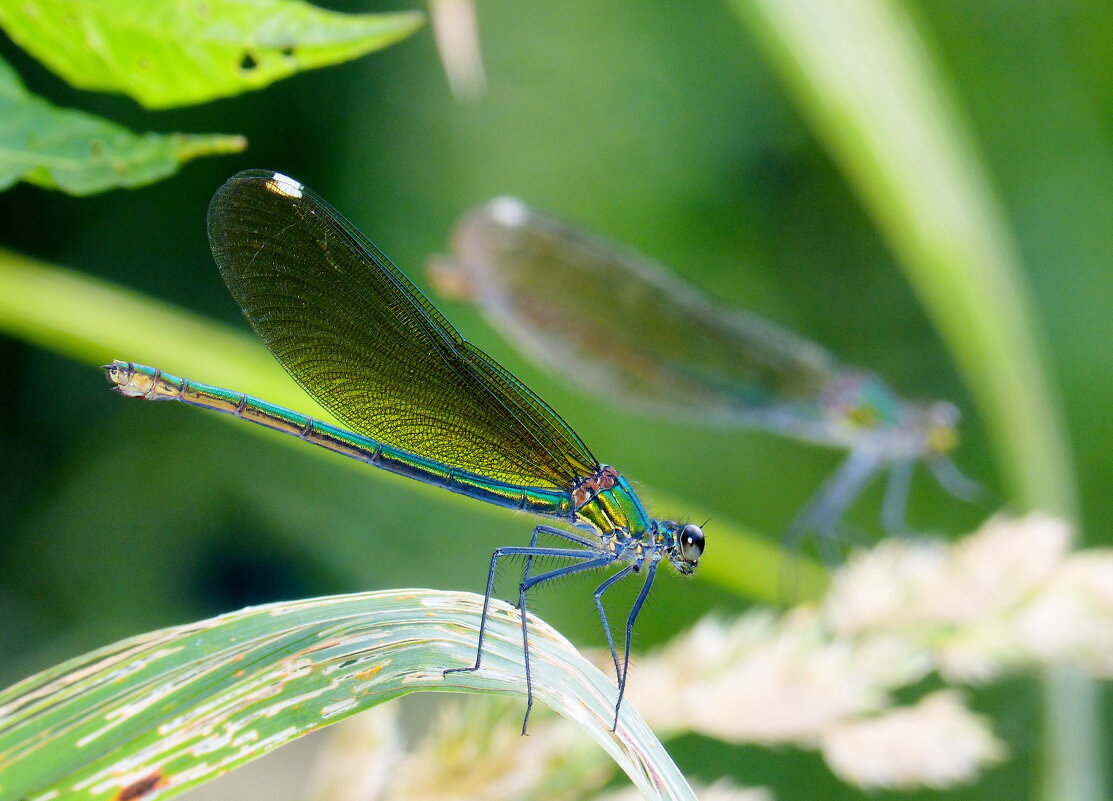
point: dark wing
(620, 324)
(360, 338)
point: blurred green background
(660, 125)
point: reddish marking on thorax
(591, 486)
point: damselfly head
(686, 553)
(941, 428)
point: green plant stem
(867, 84)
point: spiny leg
(498, 554)
(556, 532)
(649, 576)
(602, 588)
(524, 587)
(895, 504)
(571, 536)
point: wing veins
(358, 336)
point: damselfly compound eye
(691, 543)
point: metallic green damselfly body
(620, 325)
(416, 398)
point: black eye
(691, 543)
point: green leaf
(81, 154)
(94, 321)
(178, 52)
(165, 711)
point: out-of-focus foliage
(456, 31)
(181, 52)
(471, 749)
(851, 676)
(873, 92)
(847, 678)
(865, 79)
(163, 54)
(80, 153)
(665, 129)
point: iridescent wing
(620, 324)
(360, 338)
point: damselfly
(621, 325)
(420, 401)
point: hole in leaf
(248, 62)
(287, 52)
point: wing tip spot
(284, 185)
(509, 211)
